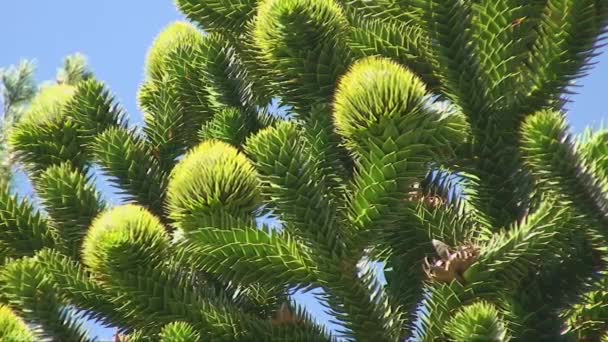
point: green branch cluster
(423, 135)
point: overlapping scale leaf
(72, 202)
(230, 125)
(326, 148)
(380, 111)
(226, 78)
(201, 76)
(167, 129)
(23, 230)
(478, 322)
(478, 49)
(77, 286)
(60, 123)
(13, 328)
(209, 57)
(473, 53)
(229, 16)
(359, 303)
(559, 168)
(386, 10)
(407, 44)
(295, 186)
(204, 69)
(494, 190)
(568, 36)
(441, 301)
(258, 72)
(6, 251)
(303, 41)
(93, 109)
(546, 45)
(179, 332)
(496, 33)
(38, 147)
(510, 256)
(123, 237)
(404, 282)
(50, 103)
(175, 96)
(448, 25)
(130, 163)
(173, 36)
(126, 248)
(411, 240)
(212, 178)
(382, 100)
(560, 282)
(46, 135)
(250, 255)
(587, 319)
(462, 57)
(595, 151)
(29, 293)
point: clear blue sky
(116, 34)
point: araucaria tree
(18, 88)
(425, 138)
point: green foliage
(74, 70)
(24, 230)
(406, 44)
(303, 44)
(75, 285)
(212, 178)
(172, 37)
(230, 253)
(594, 150)
(392, 135)
(123, 232)
(71, 202)
(61, 120)
(477, 322)
(93, 109)
(17, 89)
(174, 108)
(13, 328)
(230, 125)
(289, 177)
(588, 318)
(179, 332)
(219, 15)
(191, 77)
(129, 162)
(28, 292)
(424, 139)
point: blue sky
(116, 34)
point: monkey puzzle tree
(424, 136)
(18, 88)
